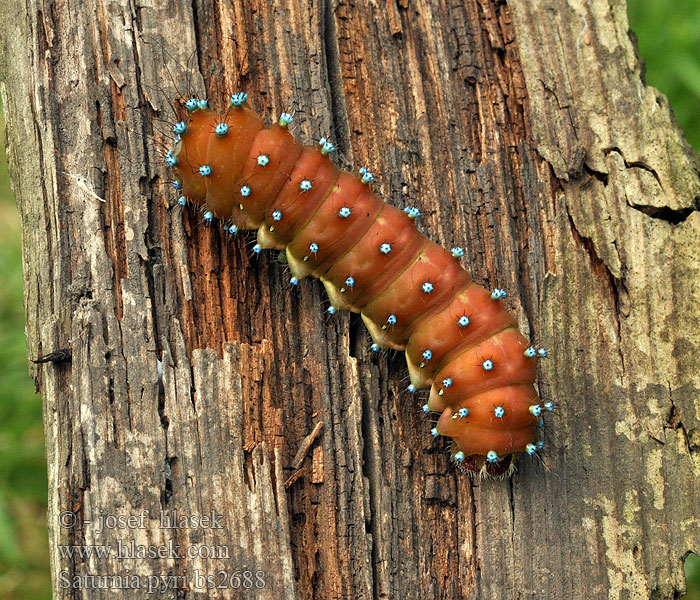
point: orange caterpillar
(413, 295)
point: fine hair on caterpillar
(459, 340)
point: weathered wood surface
(523, 130)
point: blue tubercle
(499, 411)
(208, 216)
(531, 449)
(457, 252)
(245, 191)
(385, 248)
(286, 119)
(499, 294)
(205, 170)
(182, 201)
(412, 388)
(434, 432)
(180, 127)
(535, 409)
(263, 160)
(459, 456)
(428, 287)
(233, 229)
(374, 347)
(549, 406)
(305, 185)
(540, 445)
(542, 353)
(350, 281)
(447, 382)
(177, 184)
(170, 159)
(191, 104)
(463, 321)
(367, 176)
(313, 248)
(463, 412)
(293, 281)
(391, 320)
(238, 99)
(331, 310)
(427, 355)
(412, 212)
(491, 457)
(221, 129)
(531, 352)
(487, 364)
(202, 104)
(344, 212)
(426, 410)
(326, 146)
(277, 215)
(257, 248)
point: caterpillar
(413, 295)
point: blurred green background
(24, 555)
(668, 34)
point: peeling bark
(523, 130)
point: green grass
(669, 39)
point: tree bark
(523, 130)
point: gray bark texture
(524, 131)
